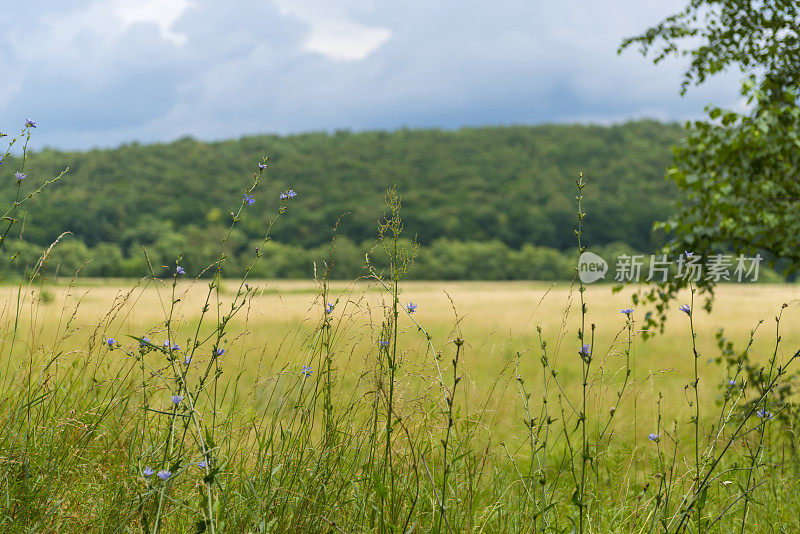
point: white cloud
(104, 72)
(162, 13)
(332, 32)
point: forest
(492, 202)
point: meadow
(202, 399)
(90, 436)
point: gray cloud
(101, 73)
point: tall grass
(375, 424)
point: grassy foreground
(319, 416)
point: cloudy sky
(104, 72)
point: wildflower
(262, 166)
(291, 193)
(176, 347)
(219, 352)
(202, 465)
(30, 123)
(329, 307)
(411, 307)
(585, 351)
(187, 360)
(764, 414)
(283, 196)
(148, 472)
(176, 399)
(384, 343)
(145, 340)
(685, 309)
(179, 271)
(654, 437)
(627, 311)
(111, 342)
(731, 382)
(166, 344)
(249, 200)
(307, 371)
(20, 176)
(164, 474)
(688, 254)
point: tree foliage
(738, 172)
(475, 188)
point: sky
(103, 73)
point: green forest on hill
(488, 203)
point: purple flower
(384, 343)
(627, 311)
(202, 465)
(585, 351)
(148, 472)
(764, 414)
(262, 166)
(283, 196)
(187, 360)
(291, 193)
(145, 340)
(30, 123)
(688, 254)
(20, 176)
(175, 347)
(111, 342)
(219, 352)
(685, 309)
(164, 474)
(654, 437)
(179, 271)
(176, 399)
(329, 307)
(411, 307)
(731, 382)
(307, 371)
(249, 200)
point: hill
(506, 187)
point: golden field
(273, 333)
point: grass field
(61, 332)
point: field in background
(498, 320)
